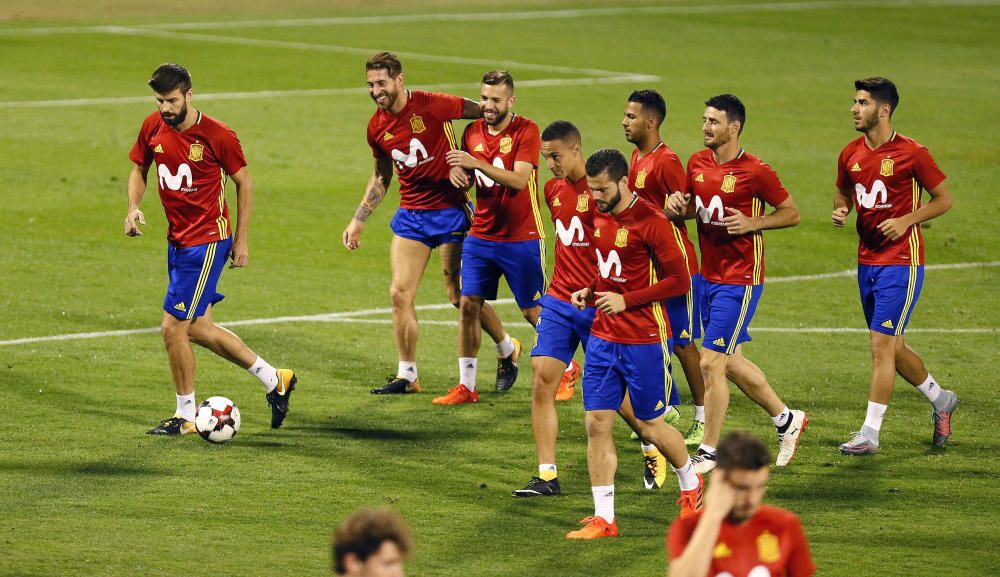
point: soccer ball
(217, 420)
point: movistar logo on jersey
(572, 233)
(485, 181)
(612, 263)
(174, 181)
(870, 198)
(411, 158)
(714, 210)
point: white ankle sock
(647, 448)
(604, 502)
(876, 412)
(686, 476)
(706, 448)
(505, 348)
(407, 370)
(782, 418)
(186, 407)
(467, 372)
(265, 373)
(930, 388)
(699, 413)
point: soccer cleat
(703, 461)
(695, 435)
(537, 487)
(398, 386)
(859, 445)
(671, 417)
(507, 368)
(594, 528)
(278, 398)
(567, 385)
(457, 395)
(691, 501)
(942, 420)
(175, 425)
(789, 440)
(654, 474)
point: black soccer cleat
(278, 397)
(507, 368)
(175, 425)
(536, 487)
(398, 386)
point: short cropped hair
(562, 130)
(741, 450)
(170, 76)
(385, 61)
(364, 532)
(652, 103)
(610, 160)
(882, 90)
(732, 106)
(499, 76)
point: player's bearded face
(173, 107)
(384, 89)
(749, 487)
(715, 128)
(634, 123)
(607, 193)
(865, 112)
(496, 102)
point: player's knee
(173, 331)
(470, 307)
(597, 426)
(711, 363)
(401, 296)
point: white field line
(540, 82)
(540, 15)
(352, 316)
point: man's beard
(611, 204)
(175, 120)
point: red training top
(572, 210)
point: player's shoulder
(666, 154)
(644, 211)
(854, 145)
(778, 515)
(524, 125)
(908, 144)
(700, 157)
(212, 124)
(754, 163)
(151, 123)
(554, 186)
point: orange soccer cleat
(457, 395)
(567, 386)
(691, 501)
(594, 528)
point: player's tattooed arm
(378, 186)
(471, 110)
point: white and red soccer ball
(217, 420)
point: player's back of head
(169, 77)
(732, 106)
(609, 160)
(882, 90)
(652, 104)
(742, 450)
(563, 130)
(364, 532)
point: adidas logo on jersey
(888, 324)
(685, 334)
(719, 342)
(386, 136)
(721, 551)
(538, 295)
(180, 307)
(700, 177)
(478, 148)
(158, 149)
(856, 167)
(556, 203)
(659, 406)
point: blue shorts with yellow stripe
(888, 295)
(684, 313)
(614, 368)
(561, 328)
(727, 313)
(194, 273)
(432, 227)
(522, 263)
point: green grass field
(84, 492)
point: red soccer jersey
(656, 176)
(191, 168)
(572, 210)
(771, 543)
(417, 140)
(745, 184)
(887, 183)
(503, 214)
(638, 258)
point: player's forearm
(136, 186)
(934, 208)
(841, 200)
(697, 555)
(782, 217)
(244, 206)
(471, 110)
(664, 289)
(515, 181)
(374, 194)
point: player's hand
(352, 234)
(580, 298)
(737, 223)
(893, 228)
(459, 178)
(238, 253)
(609, 303)
(840, 216)
(677, 203)
(461, 159)
(720, 496)
(131, 228)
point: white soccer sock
(873, 419)
(265, 373)
(781, 419)
(569, 367)
(604, 502)
(930, 388)
(707, 448)
(547, 471)
(647, 448)
(186, 407)
(467, 372)
(505, 348)
(407, 370)
(686, 476)
(699, 413)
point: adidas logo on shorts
(888, 324)
(719, 342)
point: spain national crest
(886, 167)
(640, 179)
(417, 124)
(768, 548)
(728, 183)
(506, 144)
(583, 203)
(621, 238)
(196, 153)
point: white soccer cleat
(789, 440)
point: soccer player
(734, 534)
(730, 187)
(371, 543)
(412, 130)
(639, 266)
(656, 172)
(885, 173)
(500, 154)
(191, 150)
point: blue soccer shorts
(561, 329)
(727, 315)
(684, 313)
(432, 227)
(194, 273)
(614, 368)
(521, 263)
(888, 295)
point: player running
(730, 187)
(195, 155)
(500, 153)
(639, 266)
(412, 130)
(735, 534)
(885, 173)
(656, 172)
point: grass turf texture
(83, 491)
